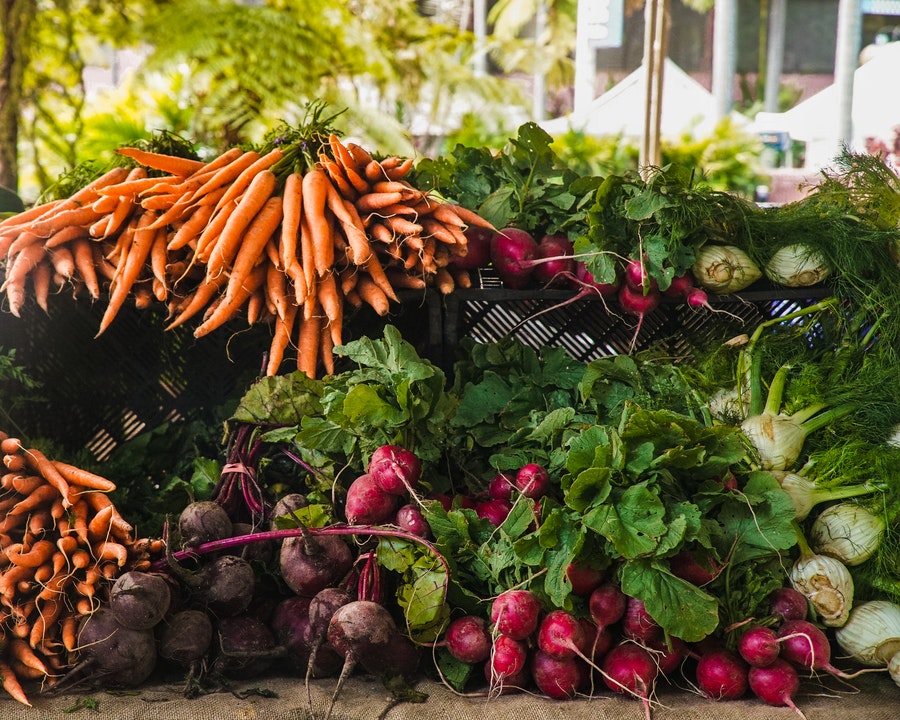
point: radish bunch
(377, 496)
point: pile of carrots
(250, 233)
(63, 543)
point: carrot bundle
(245, 233)
(62, 542)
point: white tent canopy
(687, 108)
(875, 111)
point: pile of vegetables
(527, 523)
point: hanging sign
(603, 22)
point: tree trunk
(15, 17)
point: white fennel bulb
(894, 668)
(848, 532)
(871, 635)
(797, 265)
(724, 269)
(827, 584)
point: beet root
(310, 564)
(139, 600)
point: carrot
(370, 202)
(201, 297)
(226, 245)
(373, 295)
(243, 181)
(444, 281)
(315, 189)
(98, 527)
(109, 550)
(26, 484)
(158, 259)
(326, 350)
(470, 217)
(41, 495)
(290, 224)
(82, 254)
(226, 168)
(84, 216)
(330, 302)
(401, 225)
(16, 274)
(276, 291)
(83, 479)
(253, 243)
(131, 268)
(445, 233)
(399, 170)
(78, 515)
(11, 684)
(190, 229)
(308, 338)
(225, 311)
(376, 271)
(35, 556)
(284, 328)
(404, 280)
(14, 462)
(336, 176)
(21, 220)
(352, 225)
(68, 632)
(171, 164)
(346, 161)
(63, 261)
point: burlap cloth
(871, 697)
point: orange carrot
(109, 550)
(39, 462)
(231, 163)
(345, 159)
(445, 233)
(326, 350)
(83, 479)
(330, 301)
(315, 188)
(395, 172)
(63, 261)
(352, 225)
(361, 156)
(376, 271)
(201, 297)
(308, 338)
(190, 229)
(336, 176)
(290, 224)
(162, 161)
(470, 217)
(307, 263)
(243, 181)
(373, 295)
(84, 216)
(284, 328)
(225, 311)
(12, 685)
(276, 291)
(253, 243)
(131, 268)
(35, 556)
(158, 260)
(444, 281)
(227, 244)
(83, 256)
(17, 272)
(41, 278)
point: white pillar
(585, 67)
(846, 60)
(724, 56)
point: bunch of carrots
(63, 543)
(294, 238)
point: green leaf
(633, 522)
(680, 607)
(280, 399)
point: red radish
(367, 503)
(679, 285)
(607, 604)
(788, 604)
(512, 252)
(759, 646)
(775, 684)
(533, 480)
(584, 579)
(635, 302)
(559, 678)
(695, 568)
(478, 249)
(507, 666)
(395, 469)
(501, 486)
(560, 634)
(807, 646)
(722, 675)
(637, 278)
(553, 262)
(629, 668)
(448, 501)
(637, 624)
(669, 657)
(598, 640)
(697, 298)
(515, 613)
(410, 518)
(494, 511)
(589, 285)
(468, 640)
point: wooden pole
(655, 51)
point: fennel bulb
(848, 532)
(797, 265)
(827, 584)
(806, 494)
(724, 268)
(871, 635)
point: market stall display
(630, 456)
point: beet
(226, 585)
(759, 646)
(286, 506)
(788, 604)
(630, 669)
(775, 684)
(246, 646)
(607, 604)
(203, 521)
(185, 637)
(139, 600)
(291, 625)
(501, 486)
(308, 564)
(561, 635)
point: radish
(512, 252)
(775, 684)
(367, 503)
(669, 657)
(788, 604)
(629, 668)
(637, 303)
(410, 518)
(478, 249)
(637, 278)
(637, 623)
(698, 570)
(807, 646)
(493, 510)
(561, 635)
(606, 604)
(501, 486)
(722, 675)
(515, 613)
(759, 646)
(554, 262)
(468, 640)
(598, 640)
(583, 578)
(395, 469)
(507, 666)
(679, 285)
(533, 480)
(585, 281)
(559, 678)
